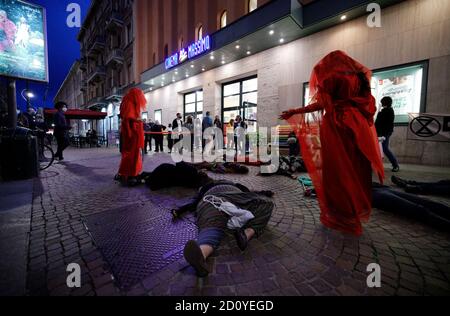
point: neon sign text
(200, 47)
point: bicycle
(46, 153)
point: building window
(223, 19)
(129, 33)
(130, 73)
(199, 32)
(252, 5)
(166, 51)
(406, 85)
(193, 104)
(158, 116)
(241, 98)
(180, 43)
(145, 116)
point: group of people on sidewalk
(340, 148)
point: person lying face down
(179, 175)
(221, 205)
(439, 188)
(412, 206)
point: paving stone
(295, 256)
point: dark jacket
(207, 123)
(61, 126)
(158, 129)
(175, 125)
(385, 122)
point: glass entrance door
(241, 98)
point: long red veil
(339, 141)
(132, 133)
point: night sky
(63, 49)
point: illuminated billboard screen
(405, 85)
(23, 43)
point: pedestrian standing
(218, 122)
(385, 128)
(158, 136)
(190, 126)
(177, 126)
(62, 129)
(147, 136)
(169, 138)
(207, 123)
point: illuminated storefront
(259, 66)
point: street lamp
(27, 95)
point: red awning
(78, 114)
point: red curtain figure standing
(132, 133)
(339, 141)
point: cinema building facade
(254, 58)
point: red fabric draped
(339, 141)
(132, 133)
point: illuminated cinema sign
(200, 47)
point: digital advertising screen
(23, 44)
(404, 85)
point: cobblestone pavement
(296, 256)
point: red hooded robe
(132, 133)
(339, 141)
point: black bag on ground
(19, 159)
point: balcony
(98, 74)
(83, 64)
(115, 94)
(96, 103)
(115, 57)
(97, 46)
(115, 22)
(83, 86)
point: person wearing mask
(62, 129)
(177, 126)
(385, 128)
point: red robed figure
(132, 133)
(339, 141)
